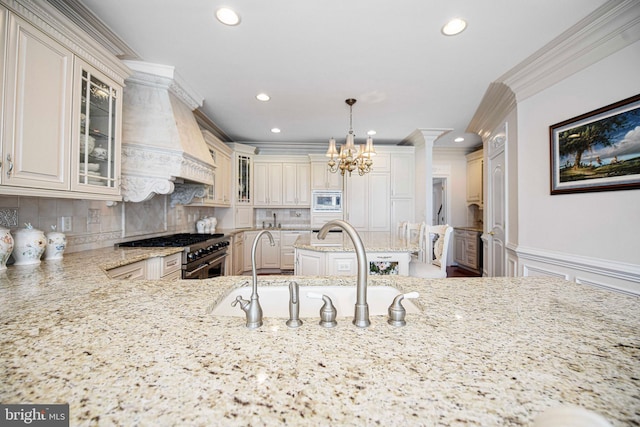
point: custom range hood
(163, 150)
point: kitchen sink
(274, 301)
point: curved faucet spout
(361, 315)
(254, 310)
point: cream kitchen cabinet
(95, 158)
(238, 254)
(368, 202)
(296, 187)
(249, 237)
(60, 116)
(164, 267)
(402, 186)
(133, 271)
(240, 212)
(267, 256)
(467, 249)
(321, 177)
(218, 194)
(280, 183)
(402, 175)
(267, 184)
(270, 255)
(474, 178)
(223, 178)
(309, 263)
(37, 110)
(287, 251)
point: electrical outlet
(65, 223)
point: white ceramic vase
(29, 245)
(200, 225)
(56, 244)
(6, 247)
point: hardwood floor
(453, 271)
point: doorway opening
(440, 214)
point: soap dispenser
(328, 312)
(397, 311)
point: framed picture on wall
(597, 151)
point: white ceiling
(310, 56)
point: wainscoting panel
(610, 275)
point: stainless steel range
(203, 257)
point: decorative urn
(56, 244)
(6, 247)
(200, 225)
(29, 245)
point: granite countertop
(483, 352)
(341, 242)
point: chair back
(415, 234)
(439, 237)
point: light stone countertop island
(340, 242)
(483, 352)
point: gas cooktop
(174, 240)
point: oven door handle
(205, 265)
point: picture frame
(598, 150)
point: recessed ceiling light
(458, 139)
(263, 97)
(275, 130)
(453, 27)
(227, 16)
(371, 132)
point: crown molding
(48, 19)
(84, 18)
(611, 27)
(496, 103)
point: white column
(423, 140)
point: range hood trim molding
(164, 77)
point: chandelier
(351, 158)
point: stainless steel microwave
(327, 201)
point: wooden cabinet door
(37, 109)
(402, 175)
(357, 202)
(303, 185)
(260, 184)
(309, 263)
(296, 189)
(379, 202)
(270, 257)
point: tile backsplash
(286, 216)
(96, 225)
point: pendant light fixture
(350, 158)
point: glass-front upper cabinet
(244, 178)
(97, 129)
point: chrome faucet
(252, 307)
(361, 315)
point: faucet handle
(243, 303)
(397, 311)
(328, 312)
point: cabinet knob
(491, 233)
